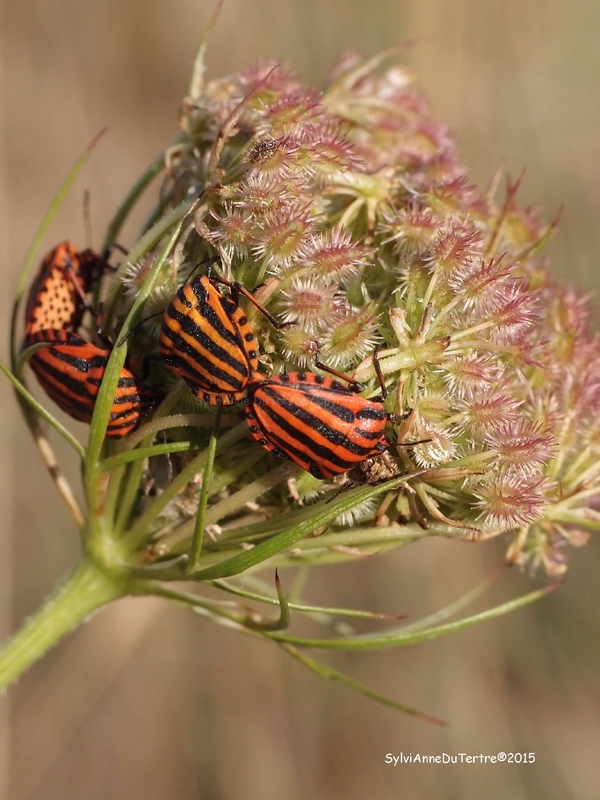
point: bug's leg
(209, 270)
(147, 360)
(123, 339)
(377, 366)
(79, 289)
(353, 386)
(397, 420)
(110, 250)
(100, 333)
(341, 490)
(237, 289)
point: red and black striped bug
(57, 299)
(205, 337)
(70, 370)
(317, 423)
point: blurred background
(148, 701)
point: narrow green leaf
(398, 638)
(325, 671)
(198, 536)
(302, 607)
(457, 605)
(144, 452)
(197, 78)
(162, 423)
(39, 408)
(284, 616)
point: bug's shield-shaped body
(315, 422)
(56, 299)
(70, 370)
(206, 339)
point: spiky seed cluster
(352, 208)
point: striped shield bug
(316, 422)
(206, 338)
(57, 298)
(70, 370)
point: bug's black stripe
(122, 428)
(374, 435)
(59, 337)
(73, 381)
(200, 383)
(128, 390)
(225, 327)
(77, 363)
(199, 289)
(341, 413)
(308, 450)
(372, 413)
(346, 415)
(79, 410)
(78, 397)
(319, 396)
(125, 416)
(133, 398)
(81, 406)
(97, 363)
(125, 382)
(205, 309)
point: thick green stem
(84, 591)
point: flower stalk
(87, 589)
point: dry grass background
(147, 702)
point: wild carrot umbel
(347, 215)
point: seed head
(509, 501)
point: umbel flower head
(350, 212)
(309, 232)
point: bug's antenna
(87, 218)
